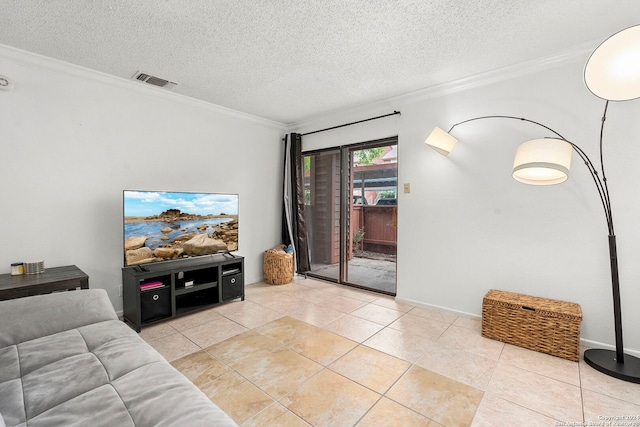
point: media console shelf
(153, 292)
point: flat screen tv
(163, 225)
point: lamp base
(605, 362)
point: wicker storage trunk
(540, 324)
(278, 266)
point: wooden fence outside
(380, 227)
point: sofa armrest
(24, 319)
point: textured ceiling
(290, 60)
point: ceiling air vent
(153, 80)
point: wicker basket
(278, 266)
(540, 324)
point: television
(165, 225)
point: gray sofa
(66, 360)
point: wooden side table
(53, 279)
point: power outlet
(120, 290)
(407, 188)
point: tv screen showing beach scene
(162, 225)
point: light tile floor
(315, 353)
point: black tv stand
(159, 291)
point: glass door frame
(345, 206)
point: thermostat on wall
(5, 83)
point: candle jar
(17, 268)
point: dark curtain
(294, 229)
(286, 194)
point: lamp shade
(542, 161)
(613, 70)
(441, 141)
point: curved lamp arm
(507, 117)
(601, 183)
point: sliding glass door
(351, 214)
(322, 212)
(373, 217)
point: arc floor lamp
(612, 73)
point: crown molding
(44, 63)
(572, 55)
(52, 65)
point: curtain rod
(352, 123)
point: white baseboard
(439, 308)
(583, 342)
(596, 344)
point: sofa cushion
(60, 381)
(102, 405)
(44, 315)
(46, 350)
(166, 399)
(9, 363)
(118, 348)
(99, 374)
(11, 402)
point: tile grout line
(584, 418)
(486, 392)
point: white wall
(467, 226)
(72, 140)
